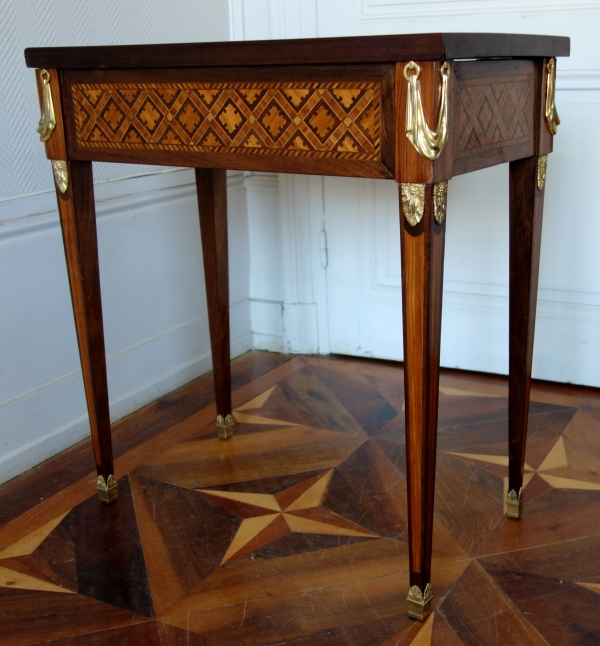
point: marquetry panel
(494, 109)
(319, 119)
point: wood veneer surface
(295, 530)
(303, 51)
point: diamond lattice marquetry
(93, 96)
(169, 96)
(347, 98)
(508, 110)
(485, 116)
(274, 120)
(253, 140)
(493, 112)
(113, 115)
(320, 119)
(323, 121)
(129, 96)
(297, 97)
(231, 118)
(251, 96)
(150, 115)
(132, 136)
(189, 117)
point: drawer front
(295, 118)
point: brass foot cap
(108, 490)
(514, 504)
(419, 603)
(224, 426)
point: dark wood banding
(302, 51)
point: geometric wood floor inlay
(297, 509)
(295, 532)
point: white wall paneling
(150, 253)
(357, 300)
(285, 216)
(154, 303)
(266, 262)
(436, 9)
(47, 23)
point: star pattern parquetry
(564, 463)
(295, 531)
(268, 517)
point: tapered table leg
(78, 222)
(422, 245)
(526, 205)
(211, 185)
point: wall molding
(78, 429)
(567, 306)
(50, 415)
(37, 213)
(578, 80)
(424, 9)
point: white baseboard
(267, 342)
(70, 391)
(566, 346)
(42, 402)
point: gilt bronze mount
(419, 603)
(552, 119)
(514, 503)
(542, 164)
(61, 174)
(427, 142)
(413, 202)
(440, 197)
(224, 426)
(48, 119)
(108, 490)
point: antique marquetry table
(415, 109)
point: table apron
(332, 120)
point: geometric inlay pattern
(493, 112)
(294, 532)
(295, 509)
(318, 119)
(561, 464)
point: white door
(363, 273)
(354, 306)
(361, 216)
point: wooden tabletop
(304, 51)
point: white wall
(475, 317)
(149, 241)
(283, 240)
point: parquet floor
(294, 531)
